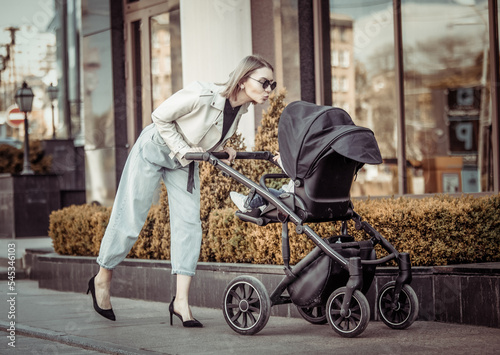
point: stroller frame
(353, 265)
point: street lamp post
(24, 100)
(52, 91)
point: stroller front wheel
(246, 305)
(358, 315)
(404, 313)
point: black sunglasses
(265, 84)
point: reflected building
(343, 70)
(446, 48)
(124, 57)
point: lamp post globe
(24, 99)
(53, 91)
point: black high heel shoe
(106, 313)
(189, 323)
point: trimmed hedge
(439, 230)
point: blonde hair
(244, 69)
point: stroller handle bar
(205, 156)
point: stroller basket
(319, 279)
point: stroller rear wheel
(357, 318)
(314, 315)
(404, 313)
(246, 305)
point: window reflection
(166, 61)
(446, 81)
(446, 93)
(361, 36)
(287, 47)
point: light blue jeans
(146, 165)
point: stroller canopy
(307, 132)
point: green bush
(437, 230)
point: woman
(200, 117)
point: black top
(229, 116)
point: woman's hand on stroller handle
(231, 155)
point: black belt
(190, 183)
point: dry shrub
(12, 159)
(78, 230)
(438, 230)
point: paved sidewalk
(52, 322)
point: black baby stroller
(321, 151)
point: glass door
(153, 60)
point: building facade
(422, 75)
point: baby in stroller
(245, 205)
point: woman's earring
(242, 87)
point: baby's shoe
(239, 200)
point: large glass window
(362, 50)
(445, 46)
(447, 115)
